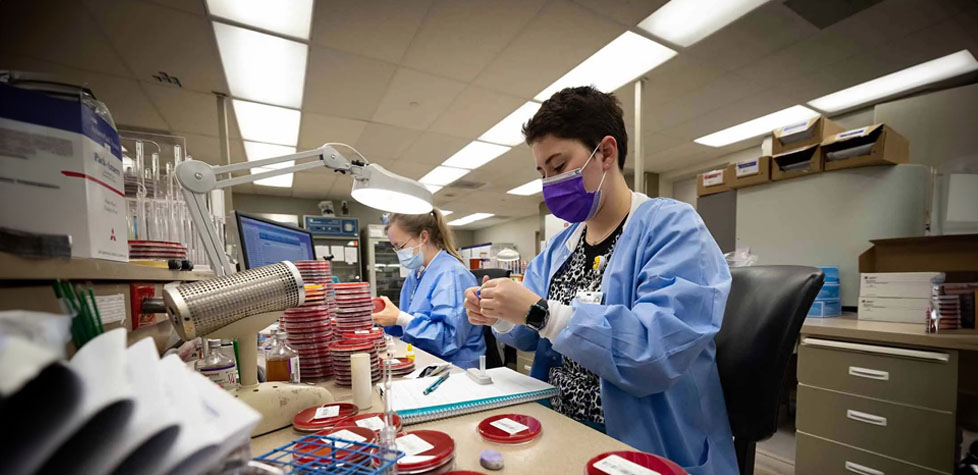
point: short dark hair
(580, 113)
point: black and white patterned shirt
(579, 390)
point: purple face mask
(568, 199)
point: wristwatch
(537, 315)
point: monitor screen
(265, 242)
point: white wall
(521, 232)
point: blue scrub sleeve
(438, 332)
(681, 283)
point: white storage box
(887, 309)
(61, 173)
(916, 285)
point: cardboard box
(896, 284)
(61, 166)
(888, 309)
(796, 163)
(863, 147)
(810, 132)
(744, 173)
(712, 182)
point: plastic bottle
(218, 367)
(281, 361)
(410, 352)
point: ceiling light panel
(259, 151)
(757, 127)
(684, 22)
(531, 188)
(433, 188)
(293, 20)
(280, 181)
(445, 212)
(470, 219)
(265, 123)
(624, 59)
(442, 176)
(904, 80)
(509, 131)
(475, 155)
(261, 67)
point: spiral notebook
(460, 395)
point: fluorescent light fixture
(261, 67)
(624, 59)
(281, 218)
(445, 212)
(470, 219)
(684, 22)
(433, 188)
(280, 181)
(260, 151)
(527, 189)
(442, 176)
(757, 127)
(292, 20)
(913, 77)
(475, 155)
(269, 124)
(509, 131)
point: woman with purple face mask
(622, 306)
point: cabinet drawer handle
(862, 469)
(869, 373)
(867, 418)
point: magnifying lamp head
(379, 188)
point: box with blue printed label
(751, 172)
(803, 134)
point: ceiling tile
(185, 110)
(686, 154)
(415, 99)
(154, 39)
(313, 185)
(558, 39)
(474, 111)
(432, 149)
(941, 39)
(317, 129)
(627, 12)
(71, 37)
(191, 6)
(204, 148)
(384, 142)
(345, 85)
(458, 39)
(768, 28)
(409, 169)
(745, 109)
(825, 48)
(678, 76)
(379, 29)
(717, 93)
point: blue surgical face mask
(410, 260)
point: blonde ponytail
(439, 233)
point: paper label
(112, 308)
(411, 444)
(748, 167)
(362, 332)
(372, 423)
(851, 133)
(589, 296)
(713, 178)
(508, 425)
(294, 376)
(794, 128)
(226, 377)
(344, 434)
(615, 465)
(327, 412)
(350, 255)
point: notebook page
(458, 388)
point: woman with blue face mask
(431, 314)
(622, 306)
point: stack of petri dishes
(342, 350)
(374, 335)
(399, 366)
(353, 307)
(428, 452)
(309, 332)
(319, 272)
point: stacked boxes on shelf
(901, 297)
(828, 302)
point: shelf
(13, 267)
(849, 326)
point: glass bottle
(281, 361)
(218, 367)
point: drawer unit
(921, 378)
(918, 436)
(818, 456)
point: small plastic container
(218, 367)
(829, 291)
(282, 361)
(440, 458)
(825, 308)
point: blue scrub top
(651, 339)
(440, 325)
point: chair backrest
(492, 273)
(764, 314)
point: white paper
(713, 178)
(795, 128)
(344, 434)
(851, 133)
(350, 255)
(748, 167)
(615, 465)
(326, 412)
(411, 444)
(508, 425)
(336, 252)
(408, 394)
(195, 435)
(372, 423)
(322, 251)
(112, 308)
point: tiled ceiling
(411, 82)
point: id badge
(590, 296)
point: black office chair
(493, 358)
(764, 314)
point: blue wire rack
(344, 457)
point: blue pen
(437, 383)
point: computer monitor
(266, 242)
